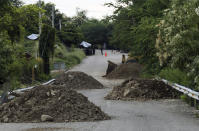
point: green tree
(80, 17)
(95, 32)
(46, 46)
(134, 29)
(9, 21)
(177, 44)
(6, 58)
(29, 18)
(70, 35)
(16, 3)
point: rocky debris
(142, 89)
(5, 119)
(58, 102)
(78, 80)
(125, 71)
(16, 94)
(46, 118)
(111, 67)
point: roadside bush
(15, 68)
(6, 56)
(184, 98)
(176, 75)
(31, 46)
(43, 77)
(72, 60)
(151, 67)
(70, 57)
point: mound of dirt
(111, 67)
(50, 103)
(78, 80)
(125, 71)
(139, 89)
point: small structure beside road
(88, 48)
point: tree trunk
(46, 65)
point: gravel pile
(50, 103)
(140, 89)
(125, 71)
(111, 67)
(78, 80)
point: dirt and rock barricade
(50, 103)
(78, 80)
(142, 89)
(125, 71)
(111, 67)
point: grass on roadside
(70, 56)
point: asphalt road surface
(163, 115)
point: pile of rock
(50, 103)
(142, 89)
(78, 80)
(125, 71)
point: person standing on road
(93, 50)
(123, 59)
(102, 50)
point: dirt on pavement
(78, 80)
(125, 71)
(57, 102)
(142, 89)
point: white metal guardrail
(29, 88)
(185, 90)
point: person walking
(93, 50)
(123, 59)
(102, 50)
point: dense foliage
(11, 31)
(47, 46)
(19, 61)
(178, 38)
(96, 32)
(135, 29)
(163, 34)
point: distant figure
(102, 50)
(123, 59)
(104, 46)
(93, 50)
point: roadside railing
(193, 98)
(28, 88)
(191, 93)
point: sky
(95, 8)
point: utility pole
(53, 16)
(40, 21)
(60, 24)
